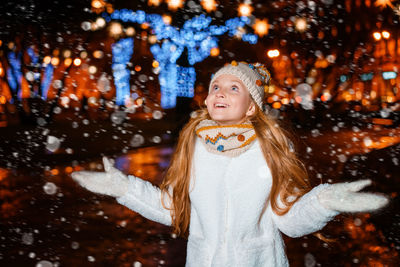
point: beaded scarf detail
(229, 140)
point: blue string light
(14, 74)
(185, 82)
(34, 57)
(11, 81)
(122, 52)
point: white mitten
(344, 197)
(112, 182)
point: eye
(215, 87)
(235, 88)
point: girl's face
(228, 101)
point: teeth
(220, 105)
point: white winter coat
(227, 196)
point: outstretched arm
(316, 208)
(145, 198)
(137, 194)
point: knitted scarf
(229, 140)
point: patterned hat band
(254, 76)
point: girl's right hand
(112, 182)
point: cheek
(208, 102)
(242, 103)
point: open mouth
(220, 105)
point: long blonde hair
(289, 176)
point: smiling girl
(234, 183)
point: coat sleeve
(145, 199)
(306, 216)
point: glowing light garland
(14, 74)
(122, 52)
(48, 72)
(185, 84)
(32, 54)
(196, 35)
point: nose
(220, 93)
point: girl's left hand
(344, 197)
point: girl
(234, 183)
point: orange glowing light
(301, 24)
(261, 27)
(384, 3)
(77, 168)
(382, 121)
(245, 10)
(390, 99)
(271, 88)
(139, 102)
(214, 51)
(154, 2)
(115, 29)
(145, 26)
(68, 169)
(98, 54)
(273, 53)
(11, 45)
(386, 34)
(1, 72)
(167, 19)
(365, 102)
(377, 36)
(97, 4)
(285, 101)
(109, 8)
(325, 96)
(92, 69)
(383, 141)
(77, 62)
(348, 97)
(130, 31)
(152, 39)
(55, 61)
(47, 60)
(67, 53)
(3, 99)
(54, 172)
(321, 63)
(138, 68)
(209, 5)
(155, 64)
(67, 62)
(83, 54)
(276, 105)
(1, 42)
(175, 4)
(94, 26)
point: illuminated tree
(197, 37)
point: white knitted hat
(254, 76)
